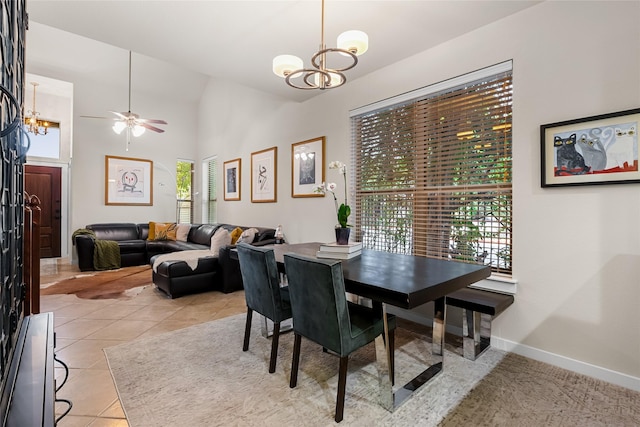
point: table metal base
(391, 399)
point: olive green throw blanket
(106, 253)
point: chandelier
(32, 122)
(351, 44)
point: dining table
(405, 281)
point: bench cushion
(486, 302)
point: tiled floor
(84, 327)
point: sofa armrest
(85, 248)
(231, 276)
(265, 242)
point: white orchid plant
(344, 210)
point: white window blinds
(212, 200)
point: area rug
(199, 376)
(525, 392)
(116, 284)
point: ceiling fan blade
(153, 128)
(97, 117)
(122, 116)
(156, 121)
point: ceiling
(237, 40)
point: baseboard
(613, 377)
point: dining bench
(479, 307)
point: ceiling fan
(130, 122)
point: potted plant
(344, 210)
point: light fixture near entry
(32, 121)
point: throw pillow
(220, 239)
(248, 235)
(152, 231)
(182, 233)
(235, 235)
(165, 231)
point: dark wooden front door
(45, 182)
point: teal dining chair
(321, 313)
(263, 293)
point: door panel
(45, 182)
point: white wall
(576, 250)
(99, 74)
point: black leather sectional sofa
(173, 277)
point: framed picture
(264, 175)
(593, 150)
(128, 181)
(307, 167)
(232, 179)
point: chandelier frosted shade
(355, 41)
(283, 65)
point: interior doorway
(46, 183)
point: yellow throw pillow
(165, 231)
(152, 231)
(235, 235)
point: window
(45, 145)
(432, 170)
(184, 179)
(210, 185)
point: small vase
(342, 235)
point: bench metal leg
(476, 333)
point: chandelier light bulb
(336, 79)
(354, 41)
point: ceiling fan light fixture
(137, 130)
(119, 126)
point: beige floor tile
(226, 312)
(91, 390)
(122, 330)
(75, 421)
(113, 411)
(62, 343)
(101, 363)
(153, 312)
(55, 302)
(77, 309)
(81, 328)
(85, 353)
(114, 312)
(109, 422)
(193, 313)
(59, 320)
(168, 326)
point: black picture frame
(593, 150)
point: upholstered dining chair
(263, 293)
(321, 313)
